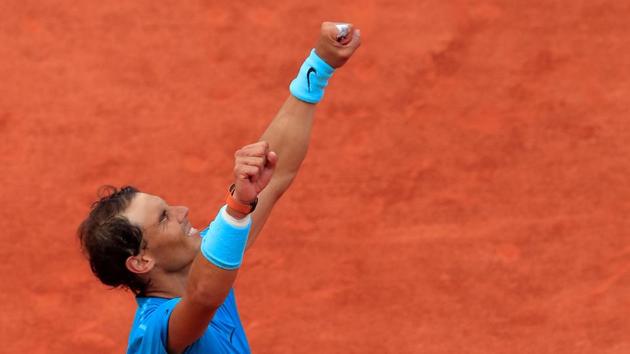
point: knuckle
(345, 54)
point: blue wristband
(224, 241)
(312, 78)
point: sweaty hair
(108, 239)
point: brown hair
(108, 239)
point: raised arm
(215, 267)
(289, 132)
(264, 170)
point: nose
(182, 213)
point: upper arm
(187, 324)
(191, 316)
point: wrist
(235, 218)
(312, 79)
(235, 213)
(325, 56)
(236, 207)
(225, 241)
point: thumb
(344, 33)
(355, 39)
(335, 31)
(268, 169)
(272, 159)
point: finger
(344, 33)
(251, 160)
(332, 32)
(247, 172)
(355, 40)
(258, 149)
(272, 159)
(267, 172)
(265, 178)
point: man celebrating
(182, 278)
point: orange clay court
(466, 190)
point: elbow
(205, 301)
(207, 298)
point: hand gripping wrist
(312, 78)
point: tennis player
(182, 278)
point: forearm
(210, 279)
(221, 252)
(288, 135)
(208, 285)
(289, 132)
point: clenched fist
(253, 167)
(335, 48)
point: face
(171, 241)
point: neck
(167, 284)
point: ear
(140, 264)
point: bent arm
(209, 286)
(215, 267)
(264, 170)
(211, 277)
